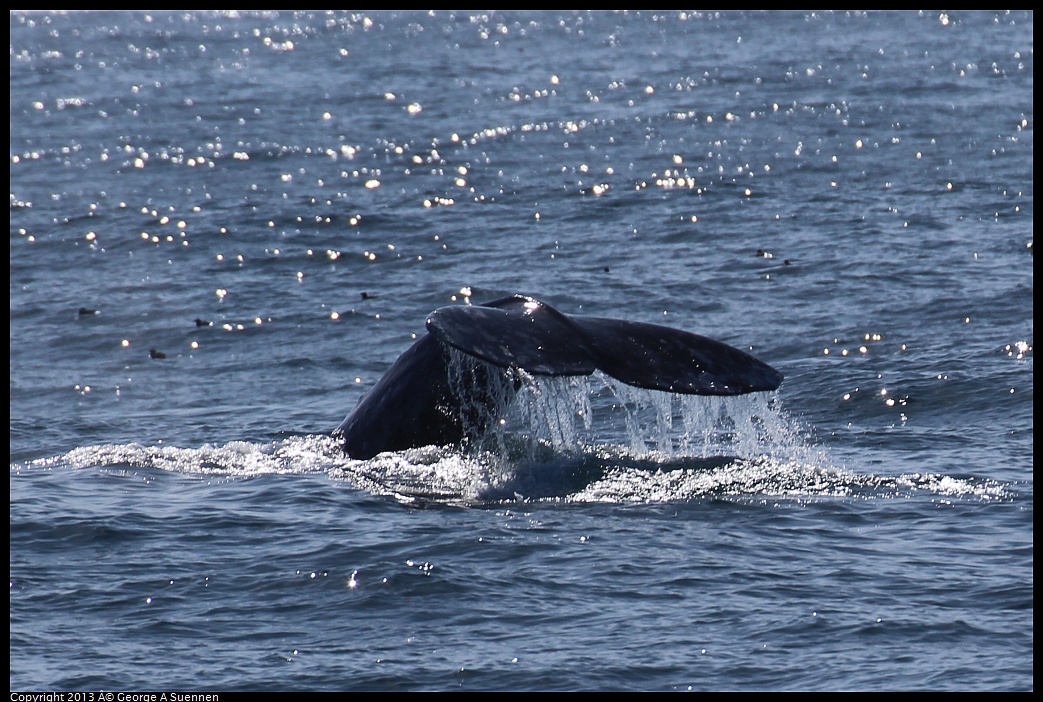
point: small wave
(563, 442)
(303, 454)
(614, 475)
(608, 473)
(768, 478)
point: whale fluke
(419, 402)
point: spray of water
(574, 414)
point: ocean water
(274, 201)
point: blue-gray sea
(848, 196)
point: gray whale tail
(420, 402)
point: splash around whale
(451, 384)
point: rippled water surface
(226, 226)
